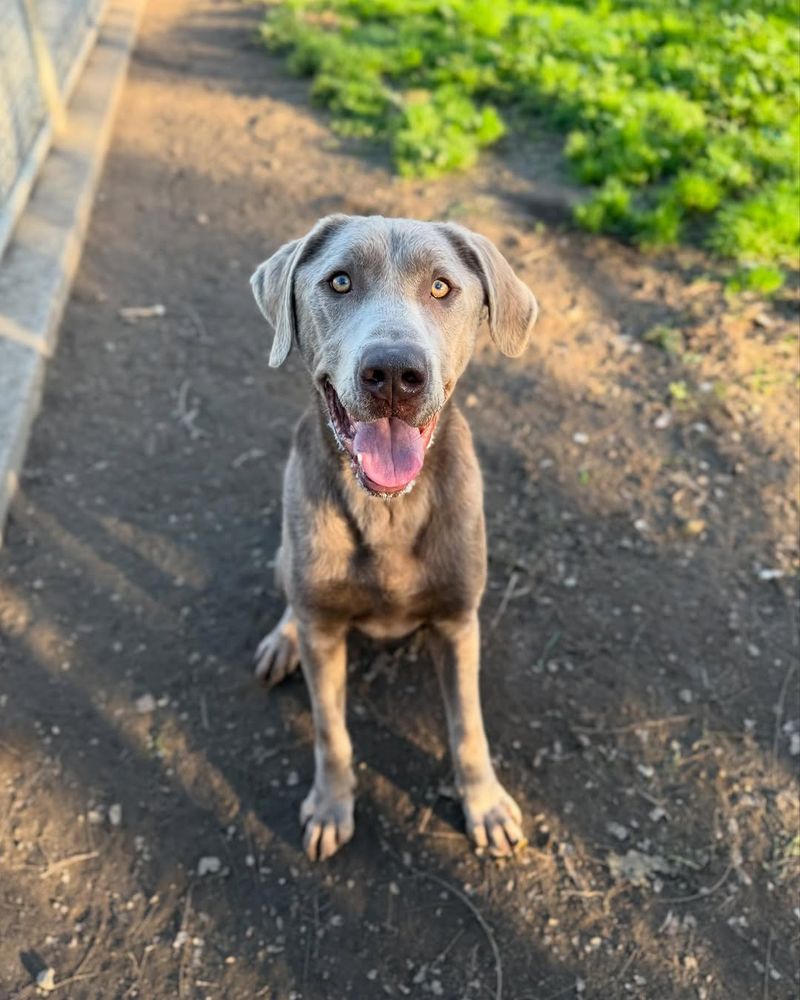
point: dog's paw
(327, 823)
(494, 820)
(278, 653)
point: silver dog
(383, 527)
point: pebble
(115, 814)
(146, 703)
(208, 866)
(46, 980)
(662, 421)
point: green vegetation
(667, 338)
(763, 279)
(682, 114)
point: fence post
(48, 81)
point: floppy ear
(512, 305)
(273, 285)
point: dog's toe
(328, 824)
(277, 656)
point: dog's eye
(440, 289)
(341, 282)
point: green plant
(762, 278)
(682, 115)
(679, 392)
(667, 338)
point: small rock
(662, 421)
(115, 814)
(617, 830)
(292, 779)
(145, 703)
(685, 696)
(694, 526)
(636, 867)
(580, 438)
(208, 866)
(46, 980)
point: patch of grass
(680, 392)
(682, 114)
(667, 338)
(763, 278)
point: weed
(763, 278)
(679, 392)
(666, 338)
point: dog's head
(384, 313)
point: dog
(383, 527)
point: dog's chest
(382, 577)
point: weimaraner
(383, 526)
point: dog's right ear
(273, 284)
(272, 287)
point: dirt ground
(639, 629)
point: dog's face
(385, 314)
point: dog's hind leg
(278, 653)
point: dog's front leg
(327, 812)
(493, 818)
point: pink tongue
(391, 451)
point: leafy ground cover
(682, 116)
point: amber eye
(341, 282)
(440, 289)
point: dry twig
(704, 893)
(487, 930)
(668, 720)
(779, 709)
(73, 859)
(767, 960)
(501, 610)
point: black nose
(393, 374)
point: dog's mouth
(386, 454)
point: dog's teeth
(359, 458)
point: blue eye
(440, 289)
(341, 282)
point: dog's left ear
(273, 285)
(512, 305)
